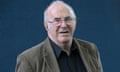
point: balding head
(57, 5)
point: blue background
(21, 27)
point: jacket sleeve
(23, 65)
(100, 68)
(99, 64)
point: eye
(57, 19)
(68, 19)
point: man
(60, 52)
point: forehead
(59, 11)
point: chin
(64, 39)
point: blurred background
(21, 27)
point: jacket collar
(50, 57)
(84, 55)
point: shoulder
(87, 45)
(33, 53)
(32, 57)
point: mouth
(64, 32)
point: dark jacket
(41, 58)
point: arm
(98, 60)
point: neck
(65, 46)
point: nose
(63, 24)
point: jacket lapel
(84, 56)
(50, 57)
(52, 62)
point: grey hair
(58, 1)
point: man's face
(61, 24)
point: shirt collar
(58, 50)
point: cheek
(72, 28)
(53, 30)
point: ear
(46, 26)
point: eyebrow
(58, 18)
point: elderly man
(60, 52)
